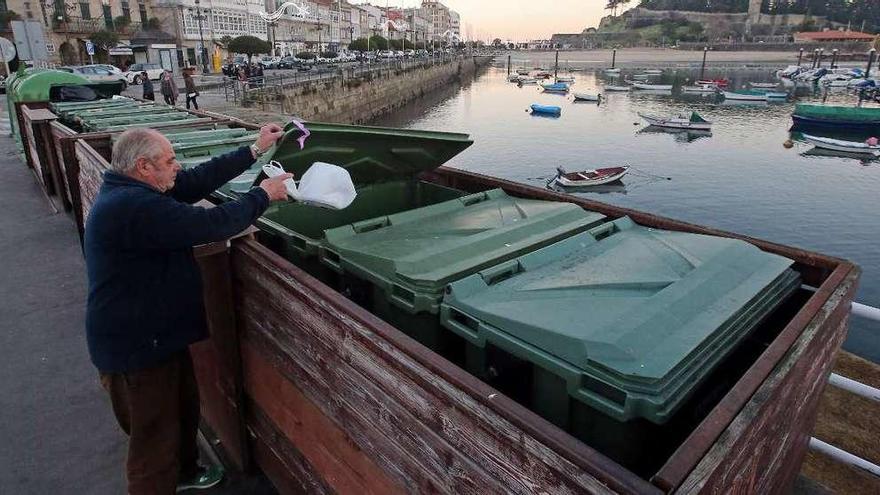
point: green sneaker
(206, 478)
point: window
(84, 10)
(108, 16)
(142, 9)
(126, 10)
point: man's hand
(274, 187)
(269, 134)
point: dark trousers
(169, 99)
(149, 96)
(158, 408)
(193, 100)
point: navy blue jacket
(145, 288)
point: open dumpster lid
(370, 154)
(632, 321)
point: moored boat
(654, 71)
(613, 87)
(703, 88)
(694, 121)
(528, 80)
(522, 72)
(721, 83)
(613, 70)
(586, 96)
(555, 88)
(763, 85)
(864, 119)
(565, 79)
(595, 177)
(545, 109)
(656, 87)
(745, 95)
(862, 148)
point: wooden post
(813, 59)
(800, 56)
(834, 58)
(871, 54)
(613, 57)
(508, 65)
(819, 59)
(703, 66)
(556, 67)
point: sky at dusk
(518, 19)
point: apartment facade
(67, 24)
(443, 24)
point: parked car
(269, 62)
(133, 74)
(97, 73)
(231, 68)
(287, 63)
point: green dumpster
(384, 165)
(34, 86)
(607, 333)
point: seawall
(361, 98)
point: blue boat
(862, 119)
(556, 87)
(546, 110)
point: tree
(224, 41)
(153, 24)
(497, 43)
(103, 41)
(378, 43)
(249, 45)
(359, 44)
(121, 22)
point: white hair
(133, 144)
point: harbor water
(740, 177)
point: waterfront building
(67, 24)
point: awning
(120, 50)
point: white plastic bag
(326, 185)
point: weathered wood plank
(324, 446)
(762, 448)
(91, 168)
(285, 466)
(390, 403)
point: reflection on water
(681, 135)
(740, 178)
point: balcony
(78, 25)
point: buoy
(787, 144)
(872, 141)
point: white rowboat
(763, 85)
(745, 96)
(693, 122)
(611, 87)
(661, 87)
(595, 177)
(705, 88)
(841, 145)
(586, 96)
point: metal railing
(269, 89)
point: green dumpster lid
(412, 255)
(371, 154)
(35, 86)
(634, 321)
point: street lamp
(203, 52)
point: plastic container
(613, 329)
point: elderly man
(145, 294)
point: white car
(97, 73)
(134, 73)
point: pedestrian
(148, 86)
(169, 88)
(257, 74)
(191, 92)
(145, 305)
(242, 79)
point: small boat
(763, 85)
(543, 74)
(745, 95)
(789, 72)
(545, 109)
(657, 87)
(613, 70)
(595, 177)
(555, 88)
(641, 77)
(567, 79)
(586, 96)
(654, 71)
(694, 121)
(513, 78)
(721, 83)
(861, 148)
(522, 72)
(528, 80)
(704, 88)
(680, 135)
(776, 95)
(612, 87)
